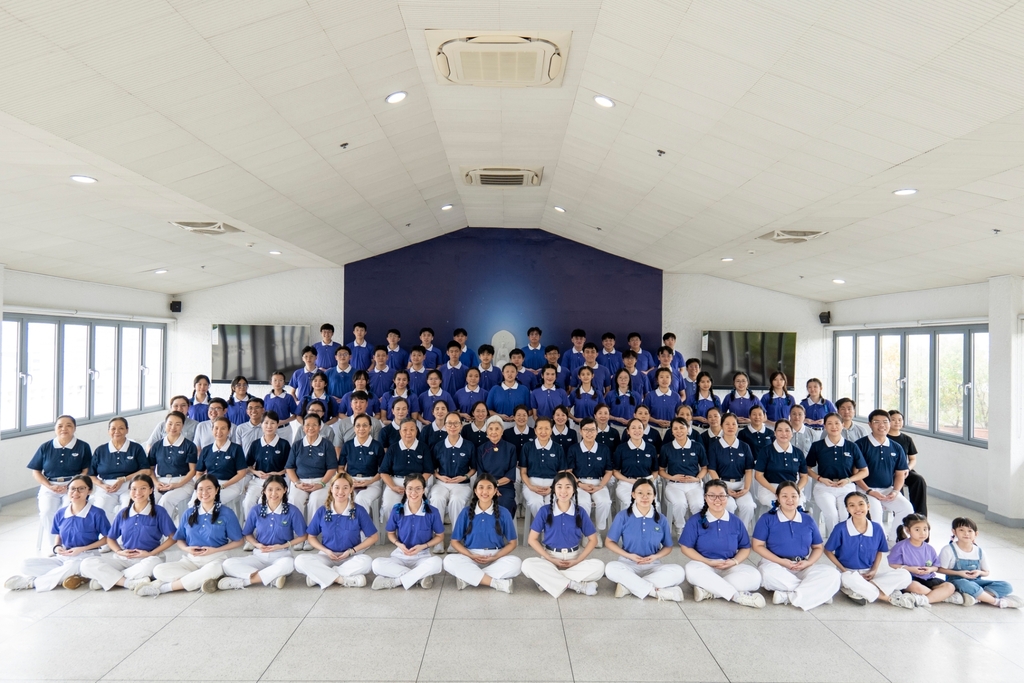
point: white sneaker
(354, 581)
(210, 586)
(621, 591)
(248, 547)
(502, 585)
(438, 549)
(921, 600)
(427, 582)
(780, 598)
(671, 593)
(95, 585)
(700, 594)
(600, 541)
(460, 584)
(148, 590)
(968, 599)
(1010, 602)
(132, 584)
(755, 600)
(955, 599)
(585, 588)
(19, 583)
(279, 582)
(857, 598)
(230, 583)
(904, 600)
(382, 582)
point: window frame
(967, 386)
(23, 320)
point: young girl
(80, 530)
(361, 458)
(640, 536)
(777, 402)
(414, 527)
(400, 392)
(334, 531)
(662, 402)
(704, 399)
(403, 459)
(138, 538)
(779, 463)
(740, 401)
(585, 398)
(568, 538)
(113, 465)
(238, 402)
(206, 534)
(173, 459)
(540, 461)
(318, 394)
(545, 398)
(311, 464)
(789, 545)
(915, 555)
(497, 457)
(816, 406)
(200, 402)
(683, 464)
(280, 401)
(731, 461)
(716, 544)
(633, 460)
(475, 431)
(562, 432)
(835, 465)
(54, 464)
(591, 463)
(967, 568)
(468, 396)
(621, 399)
(484, 537)
(273, 528)
(454, 468)
(855, 547)
(434, 395)
(224, 460)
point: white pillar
(1006, 440)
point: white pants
(743, 507)
(308, 502)
(533, 500)
(252, 495)
(109, 569)
(50, 572)
(624, 493)
(389, 499)
(175, 501)
(886, 581)
(367, 495)
(641, 578)
(555, 580)
(461, 567)
(723, 583)
(830, 501)
(683, 498)
(49, 504)
(325, 571)
(269, 565)
(408, 569)
(899, 506)
(191, 570)
(110, 502)
(451, 498)
(808, 588)
(601, 500)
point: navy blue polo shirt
(400, 461)
(312, 461)
(542, 463)
(173, 460)
(562, 531)
(635, 462)
(758, 441)
(778, 466)
(56, 462)
(268, 457)
(730, 462)
(454, 461)
(223, 464)
(498, 460)
(609, 438)
(789, 539)
(109, 463)
(835, 461)
(589, 464)
(883, 460)
(475, 436)
(517, 439)
(687, 459)
(362, 460)
(566, 440)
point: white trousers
(108, 569)
(191, 570)
(683, 498)
(624, 493)
(554, 580)
(450, 497)
(886, 581)
(252, 495)
(389, 499)
(308, 502)
(408, 569)
(269, 565)
(723, 583)
(830, 500)
(175, 501)
(461, 567)
(534, 501)
(110, 502)
(641, 578)
(601, 500)
(808, 588)
(49, 504)
(367, 495)
(899, 506)
(50, 572)
(325, 571)
(743, 507)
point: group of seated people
(671, 454)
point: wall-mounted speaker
(824, 318)
(175, 307)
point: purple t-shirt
(906, 554)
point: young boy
(490, 376)
(453, 373)
(551, 355)
(690, 379)
(325, 349)
(417, 370)
(641, 382)
(339, 378)
(665, 361)
(609, 357)
(602, 378)
(300, 381)
(574, 356)
(533, 354)
(669, 339)
(523, 375)
(432, 357)
(398, 359)
(381, 375)
(362, 352)
(644, 359)
(279, 400)
(467, 356)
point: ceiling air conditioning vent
(502, 59)
(502, 176)
(205, 227)
(792, 236)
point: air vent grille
(506, 67)
(205, 227)
(499, 59)
(502, 176)
(792, 236)
(495, 179)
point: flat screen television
(759, 354)
(257, 351)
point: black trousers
(918, 489)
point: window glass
(889, 371)
(865, 375)
(919, 392)
(105, 370)
(951, 380)
(153, 365)
(10, 363)
(131, 367)
(844, 367)
(75, 356)
(979, 390)
(40, 392)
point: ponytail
(146, 479)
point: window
(89, 369)
(937, 378)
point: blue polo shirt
(503, 399)
(362, 460)
(381, 380)
(85, 528)
(484, 535)
(855, 550)
(434, 357)
(779, 466)
(275, 527)
(786, 538)
(468, 357)
(686, 459)
(109, 463)
(398, 359)
(173, 460)
(57, 462)
(635, 462)
(389, 398)
(199, 411)
(312, 461)
(777, 407)
(533, 358)
(623, 405)
(345, 405)
(418, 380)
(341, 531)
(561, 530)
(454, 461)
(325, 355)
(688, 386)
(223, 464)
(817, 411)
(427, 401)
(339, 382)
(284, 405)
(268, 457)
(720, 541)
(208, 533)
(362, 356)
(528, 379)
(641, 536)
(301, 381)
(415, 529)
(401, 462)
(883, 460)
(602, 378)
(835, 461)
(730, 462)
(739, 405)
(590, 463)
(640, 383)
(466, 399)
(562, 376)
(573, 359)
(663, 406)
(490, 378)
(612, 361)
(453, 379)
(544, 401)
(237, 408)
(330, 406)
(701, 406)
(584, 404)
(542, 463)
(141, 531)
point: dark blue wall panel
(491, 279)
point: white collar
(472, 425)
(589, 392)
(386, 369)
(362, 346)
(430, 392)
(515, 430)
(607, 428)
(84, 512)
(429, 348)
(145, 511)
(606, 352)
(463, 348)
(419, 513)
(717, 436)
(395, 425)
(457, 366)
(723, 518)
(536, 443)
(122, 449)
(595, 366)
(819, 402)
(685, 445)
(395, 394)
(775, 445)
(278, 509)
(472, 391)
(721, 440)
(339, 369)
(369, 440)
(745, 394)
(312, 394)
(796, 520)
(168, 444)
(828, 441)
(647, 430)
(344, 512)
(558, 511)
(643, 444)
(420, 371)
(620, 392)
(435, 428)
(573, 350)
(414, 446)
(558, 368)
(515, 385)
(667, 393)
(592, 449)
(801, 430)
(319, 438)
(757, 431)
(264, 442)
(533, 348)
(876, 443)
(449, 444)
(71, 444)
(551, 388)
(634, 372)
(649, 515)
(482, 369)
(481, 511)
(554, 430)
(852, 530)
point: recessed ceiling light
(396, 97)
(160, 272)
(559, 209)
(446, 207)
(905, 191)
(839, 282)
(275, 253)
(603, 101)
(727, 259)
(83, 179)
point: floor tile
(397, 603)
(482, 602)
(726, 609)
(604, 604)
(120, 602)
(294, 600)
(1006, 639)
(36, 605)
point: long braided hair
(495, 509)
(713, 483)
(274, 479)
(148, 481)
(417, 476)
(637, 484)
(193, 517)
(575, 500)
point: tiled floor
(299, 633)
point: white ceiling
(773, 114)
